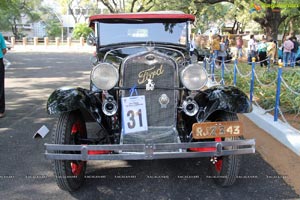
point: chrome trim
(149, 151)
(94, 78)
(110, 101)
(146, 49)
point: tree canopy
(12, 11)
(269, 14)
(272, 16)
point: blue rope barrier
(277, 100)
(222, 73)
(252, 80)
(212, 69)
(234, 71)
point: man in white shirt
(252, 49)
(192, 49)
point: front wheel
(225, 169)
(70, 129)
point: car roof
(140, 17)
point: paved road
(25, 174)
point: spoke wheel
(70, 127)
(226, 169)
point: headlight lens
(193, 77)
(104, 76)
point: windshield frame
(102, 29)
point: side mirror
(94, 60)
(91, 39)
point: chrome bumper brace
(148, 151)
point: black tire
(227, 168)
(69, 174)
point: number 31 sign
(134, 114)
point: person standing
(294, 51)
(194, 56)
(210, 37)
(252, 49)
(239, 46)
(222, 52)
(288, 45)
(192, 45)
(215, 47)
(262, 53)
(226, 41)
(2, 70)
(271, 51)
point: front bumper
(148, 151)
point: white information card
(134, 115)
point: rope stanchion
(252, 80)
(234, 71)
(277, 100)
(212, 69)
(282, 116)
(222, 72)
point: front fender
(225, 98)
(67, 99)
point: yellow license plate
(207, 130)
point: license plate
(207, 130)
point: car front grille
(161, 118)
(161, 69)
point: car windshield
(111, 33)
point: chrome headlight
(193, 77)
(104, 76)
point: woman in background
(262, 53)
(2, 97)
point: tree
(78, 9)
(117, 6)
(271, 15)
(53, 28)
(12, 11)
(50, 19)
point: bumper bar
(148, 151)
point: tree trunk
(291, 27)
(14, 28)
(270, 23)
(271, 31)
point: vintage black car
(150, 102)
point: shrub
(81, 30)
